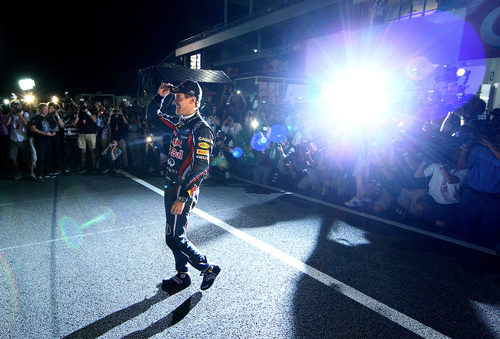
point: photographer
(299, 162)
(70, 144)
(285, 151)
(41, 129)
(480, 202)
(315, 173)
(152, 153)
(213, 119)
(56, 125)
(4, 139)
(86, 122)
(223, 153)
(440, 204)
(18, 123)
(118, 124)
(230, 127)
(110, 154)
(135, 138)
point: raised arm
(157, 110)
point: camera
(16, 108)
(82, 104)
(219, 137)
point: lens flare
(419, 68)
(259, 142)
(93, 221)
(72, 233)
(220, 161)
(9, 296)
(237, 152)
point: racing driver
(187, 164)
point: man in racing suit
(188, 162)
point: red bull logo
(175, 153)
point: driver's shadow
(104, 325)
(170, 319)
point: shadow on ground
(449, 288)
(104, 325)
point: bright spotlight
(6, 101)
(254, 124)
(461, 72)
(238, 92)
(55, 99)
(26, 84)
(29, 98)
(356, 98)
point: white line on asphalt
(75, 236)
(69, 196)
(385, 221)
(388, 312)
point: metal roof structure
(151, 77)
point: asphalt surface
(82, 256)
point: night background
(341, 172)
(95, 46)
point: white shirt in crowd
(439, 190)
(18, 132)
(232, 131)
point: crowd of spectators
(436, 167)
(40, 141)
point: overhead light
(26, 84)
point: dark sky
(93, 46)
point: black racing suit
(187, 164)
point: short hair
(41, 105)
(187, 96)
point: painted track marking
(395, 316)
